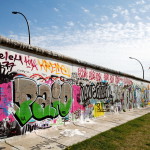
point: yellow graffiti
(55, 68)
(98, 110)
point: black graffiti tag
(99, 91)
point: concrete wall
(40, 88)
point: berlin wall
(40, 88)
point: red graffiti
(8, 57)
(112, 78)
(106, 77)
(92, 75)
(82, 73)
(127, 81)
(98, 77)
(116, 79)
(30, 63)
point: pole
(140, 64)
(15, 12)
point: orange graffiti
(56, 68)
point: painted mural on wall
(38, 92)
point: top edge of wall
(47, 53)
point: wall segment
(40, 88)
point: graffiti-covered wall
(39, 89)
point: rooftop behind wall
(47, 53)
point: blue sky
(103, 32)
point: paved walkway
(59, 137)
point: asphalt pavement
(60, 137)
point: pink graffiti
(49, 82)
(98, 77)
(92, 75)
(82, 73)
(118, 79)
(112, 78)
(30, 63)
(106, 77)
(127, 81)
(76, 98)
(6, 101)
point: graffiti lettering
(99, 91)
(6, 67)
(94, 76)
(37, 92)
(106, 77)
(30, 63)
(6, 73)
(7, 57)
(54, 67)
(39, 102)
(112, 79)
(82, 73)
(91, 75)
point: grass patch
(133, 135)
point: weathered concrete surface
(59, 137)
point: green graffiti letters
(24, 113)
(39, 112)
(40, 101)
